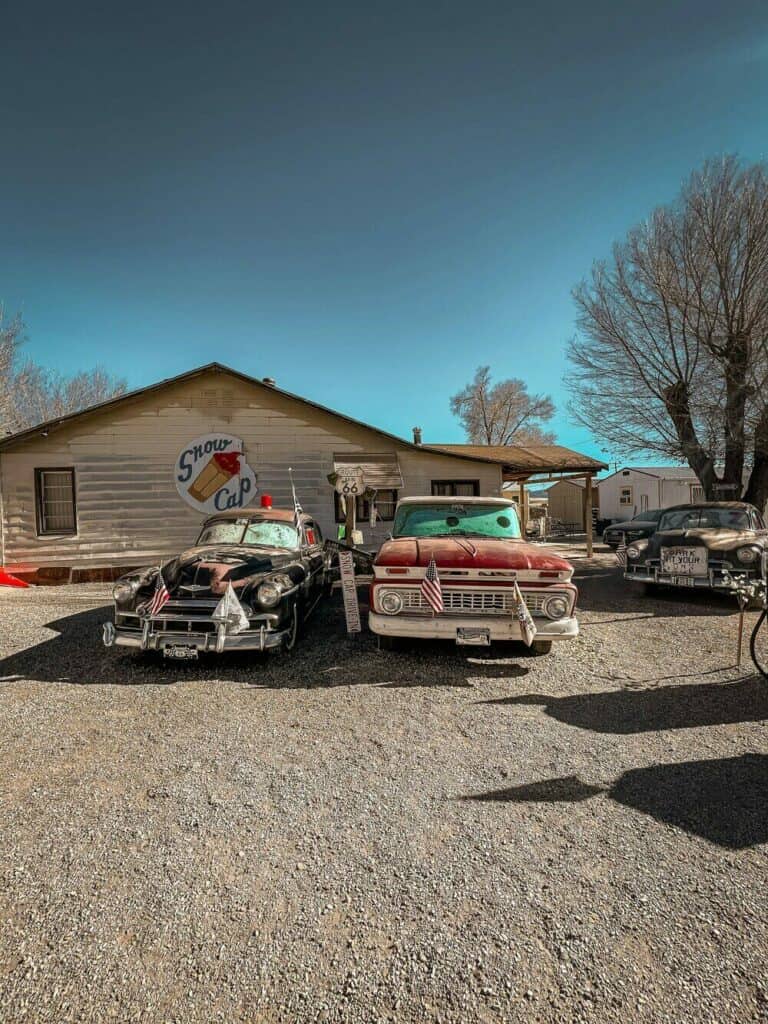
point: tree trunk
(757, 488)
(736, 394)
(676, 400)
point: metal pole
(588, 513)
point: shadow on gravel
(326, 656)
(723, 801)
(605, 590)
(666, 707)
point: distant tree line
(672, 351)
(31, 394)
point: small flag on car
(231, 612)
(431, 588)
(160, 596)
(621, 553)
(527, 625)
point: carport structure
(534, 465)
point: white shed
(636, 489)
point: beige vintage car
(700, 545)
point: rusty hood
(469, 553)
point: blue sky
(362, 201)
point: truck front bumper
(446, 627)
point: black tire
(541, 647)
(389, 643)
(288, 642)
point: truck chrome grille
(499, 602)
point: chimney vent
(269, 381)
(417, 435)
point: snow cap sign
(212, 474)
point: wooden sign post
(349, 591)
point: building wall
(567, 502)
(128, 509)
(648, 492)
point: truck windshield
(456, 520)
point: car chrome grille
(498, 602)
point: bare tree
(503, 413)
(671, 357)
(31, 394)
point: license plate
(684, 561)
(683, 581)
(182, 652)
(478, 637)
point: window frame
(452, 483)
(360, 506)
(631, 501)
(39, 513)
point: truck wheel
(389, 643)
(541, 647)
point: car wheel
(541, 647)
(294, 630)
(390, 643)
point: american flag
(160, 596)
(431, 589)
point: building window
(385, 502)
(625, 496)
(55, 501)
(697, 493)
(456, 488)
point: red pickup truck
(477, 568)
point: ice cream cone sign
(212, 474)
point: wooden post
(523, 509)
(588, 512)
(350, 521)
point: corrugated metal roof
(545, 458)
(381, 471)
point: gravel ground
(436, 834)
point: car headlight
(747, 555)
(269, 593)
(391, 602)
(556, 607)
(124, 591)
(633, 552)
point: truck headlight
(556, 607)
(633, 552)
(269, 593)
(124, 591)
(390, 602)
(747, 555)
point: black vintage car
(700, 545)
(278, 574)
(634, 529)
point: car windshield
(456, 520)
(704, 518)
(258, 532)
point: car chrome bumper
(712, 581)
(444, 627)
(216, 643)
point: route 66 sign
(350, 480)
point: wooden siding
(129, 511)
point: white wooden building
(632, 490)
(130, 481)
